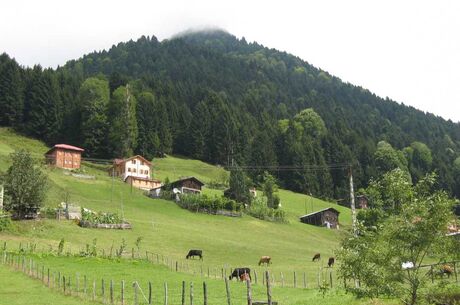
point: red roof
(69, 147)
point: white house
(136, 171)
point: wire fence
(108, 291)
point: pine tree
(11, 97)
(148, 144)
(94, 100)
(123, 125)
(43, 115)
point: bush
(204, 203)
(259, 209)
(5, 222)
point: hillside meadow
(169, 231)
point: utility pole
(113, 177)
(1, 197)
(352, 203)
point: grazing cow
(245, 277)
(193, 253)
(446, 269)
(330, 262)
(237, 272)
(264, 260)
(316, 257)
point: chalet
(64, 156)
(187, 185)
(182, 186)
(327, 217)
(136, 171)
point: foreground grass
(130, 271)
(18, 289)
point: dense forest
(211, 96)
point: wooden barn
(64, 156)
(188, 185)
(324, 218)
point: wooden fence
(107, 291)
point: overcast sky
(406, 50)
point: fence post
(183, 293)
(432, 274)
(122, 297)
(63, 282)
(48, 278)
(166, 294)
(304, 280)
(43, 273)
(111, 291)
(177, 267)
(227, 288)
(282, 279)
(191, 293)
(136, 297)
(103, 291)
(205, 294)
(330, 277)
(269, 290)
(455, 271)
(295, 279)
(85, 283)
(150, 293)
(249, 294)
(77, 283)
(94, 290)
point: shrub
(204, 203)
(5, 222)
(259, 209)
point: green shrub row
(204, 203)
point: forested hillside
(211, 96)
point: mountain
(220, 99)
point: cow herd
(244, 273)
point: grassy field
(170, 231)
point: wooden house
(136, 171)
(64, 156)
(325, 218)
(188, 185)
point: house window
(134, 170)
(133, 161)
(129, 169)
(142, 162)
(146, 172)
(141, 171)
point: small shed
(327, 217)
(64, 156)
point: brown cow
(330, 262)
(264, 260)
(446, 269)
(316, 257)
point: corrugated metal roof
(319, 212)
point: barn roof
(141, 178)
(65, 146)
(188, 178)
(320, 211)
